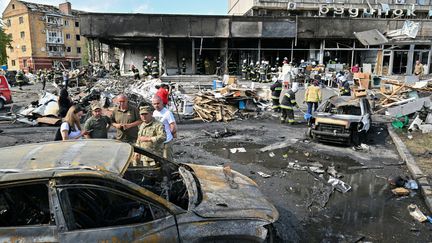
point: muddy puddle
(367, 212)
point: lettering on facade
(324, 10)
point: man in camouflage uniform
(151, 136)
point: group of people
(150, 68)
(150, 127)
(286, 104)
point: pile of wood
(222, 105)
(395, 92)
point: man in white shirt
(166, 117)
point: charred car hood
(227, 193)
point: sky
(205, 7)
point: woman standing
(71, 127)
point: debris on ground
(338, 184)
(400, 191)
(263, 175)
(416, 213)
(239, 150)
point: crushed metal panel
(246, 29)
(409, 107)
(106, 155)
(371, 37)
(279, 29)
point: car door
(96, 213)
(26, 214)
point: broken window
(21, 20)
(24, 205)
(91, 206)
(76, 24)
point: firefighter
(135, 72)
(345, 89)
(276, 89)
(199, 68)
(218, 66)
(252, 74)
(146, 66)
(20, 78)
(155, 68)
(262, 72)
(183, 66)
(244, 69)
(288, 103)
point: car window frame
(52, 227)
(140, 199)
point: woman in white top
(71, 127)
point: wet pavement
(309, 210)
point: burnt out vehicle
(341, 119)
(85, 191)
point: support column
(390, 68)
(259, 51)
(292, 51)
(409, 69)
(224, 53)
(427, 69)
(111, 54)
(161, 56)
(90, 50)
(352, 54)
(321, 52)
(193, 57)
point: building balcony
(55, 40)
(56, 54)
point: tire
(2, 103)
(271, 234)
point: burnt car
(341, 119)
(88, 191)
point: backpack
(58, 135)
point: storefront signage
(325, 10)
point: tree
(5, 41)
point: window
(95, 206)
(25, 62)
(23, 48)
(78, 50)
(78, 37)
(66, 22)
(76, 24)
(21, 20)
(13, 6)
(68, 36)
(68, 49)
(8, 23)
(22, 34)
(55, 48)
(24, 205)
(13, 63)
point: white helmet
(257, 63)
(295, 87)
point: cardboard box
(232, 80)
(358, 92)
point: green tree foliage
(5, 41)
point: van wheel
(2, 103)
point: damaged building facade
(43, 36)
(384, 37)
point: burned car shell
(341, 119)
(223, 204)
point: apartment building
(43, 36)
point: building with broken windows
(43, 36)
(384, 37)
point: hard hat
(294, 87)
(251, 63)
(302, 61)
(244, 61)
(257, 62)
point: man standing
(418, 69)
(313, 96)
(135, 72)
(125, 118)
(97, 125)
(165, 116)
(288, 103)
(151, 135)
(163, 93)
(65, 78)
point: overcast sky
(213, 7)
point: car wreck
(341, 119)
(89, 191)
